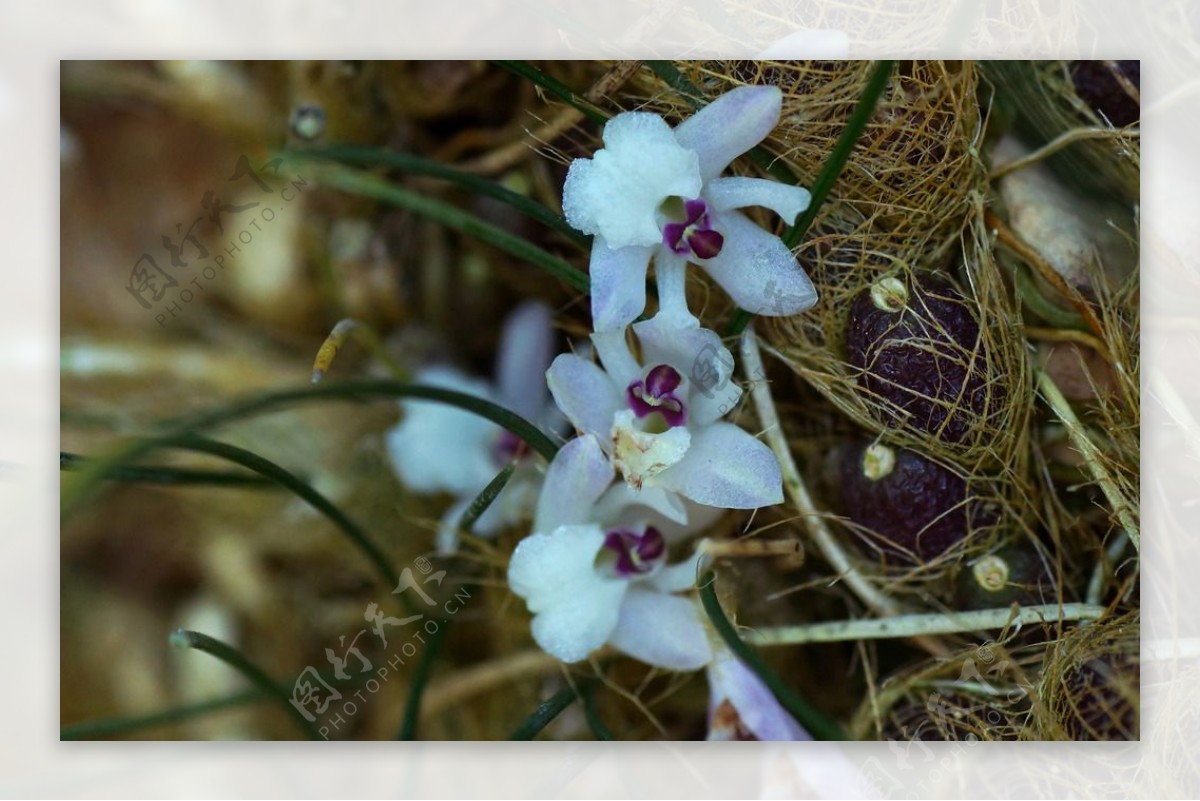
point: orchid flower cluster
(654, 460)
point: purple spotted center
(508, 446)
(657, 394)
(636, 553)
(693, 236)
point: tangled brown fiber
(1090, 683)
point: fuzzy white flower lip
(441, 448)
(594, 571)
(655, 193)
(659, 420)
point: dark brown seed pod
(907, 508)
(1099, 84)
(917, 344)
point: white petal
(575, 608)
(618, 280)
(640, 456)
(585, 393)
(441, 448)
(757, 270)
(726, 467)
(730, 125)
(785, 200)
(526, 347)
(574, 481)
(661, 630)
(617, 192)
(760, 713)
(513, 505)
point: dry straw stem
(1045, 95)
(916, 625)
(1094, 459)
(1057, 144)
(509, 155)
(458, 687)
(760, 391)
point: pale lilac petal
(700, 355)
(526, 347)
(575, 607)
(729, 126)
(670, 276)
(785, 200)
(678, 577)
(616, 193)
(756, 706)
(661, 630)
(758, 271)
(437, 447)
(613, 350)
(585, 393)
(513, 505)
(621, 506)
(618, 280)
(574, 481)
(726, 467)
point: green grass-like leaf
(554, 87)
(183, 638)
(355, 155)
(84, 483)
(286, 479)
(363, 184)
(818, 725)
(546, 712)
(831, 169)
(109, 727)
(170, 476)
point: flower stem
(903, 626)
(183, 638)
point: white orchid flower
(441, 448)
(741, 707)
(655, 193)
(660, 419)
(595, 570)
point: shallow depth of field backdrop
(217, 225)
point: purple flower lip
(657, 394)
(694, 236)
(636, 553)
